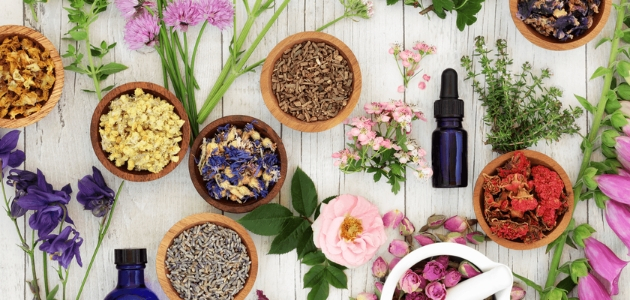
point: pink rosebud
(618, 218)
(616, 187)
(606, 265)
(456, 224)
(452, 278)
(517, 293)
(393, 218)
(475, 237)
(422, 85)
(401, 88)
(424, 239)
(410, 72)
(435, 290)
(366, 296)
(590, 288)
(379, 268)
(410, 282)
(443, 260)
(433, 270)
(436, 221)
(393, 262)
(406, 227)
(426, 77)
(416, 296)
(398, 248)
(623, 150)
(379, 287)
(468, 270)
(455, 237)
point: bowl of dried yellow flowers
(237, 163)
(140, 131)
(31, 76)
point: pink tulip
(424, 239)
(398, 248)
(623, 150)
(410, 282)
(393, 218)
(456, 224)
(606, 265)
(616, 187)
(590, 288)
(406, 227)
(379, 268)
(517, 293)
(618, 218)
(366, 296)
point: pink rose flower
(433, 270)
(410, 282)
(456, 224)
(435, 291)
(349, 230)
(416, 296)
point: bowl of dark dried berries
(311, 81)
(237, 163)
(560, 24)
(209, 255)
(523, 200)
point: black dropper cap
(449, 104)
(130, 256)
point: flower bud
(434, 270)
(435, 290)
(424, 238)
(443, 260)
(410, 282)
(475, 237)
(379, 268)
(455, 237)
(456, 224)
(452, 278)
(406, 227)
(393, 262)
(625, 108)
(517, 293)
(366, 296)
(398, 248)
(436, 221)
(378, 288)
(393, 218)
(623, 151)
(468, 270)
(616, 187)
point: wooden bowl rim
(55, 93)
(536, 158)
(199, 219)
(550, 43)
(224, 204)
(271, 101)
(103, 107)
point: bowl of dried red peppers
(523, 200)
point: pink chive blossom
(182, 13)
(133, 8)
(141, 31)
(219, 13)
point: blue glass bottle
(130, 264)
(449, 153)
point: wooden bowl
(536, 158)
(209, 132)
(9, 31)
(200, 219)
(551, 43)
(270, 98)
(103, 108)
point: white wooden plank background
(59, 144)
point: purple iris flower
(94, 194)
(9, 156)
(61, 248)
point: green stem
(64, 282)
(31, 255)
(332, 22)
(45, 267)
(31, 6)
(101, 235)
(92, 69)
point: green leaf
(528, 282)
(601, 71)
(578, 269)
(306, 245)
(112, 68)
(612, 104)
(570, 243)
(555, 294)
(288, 238)
(565, 268)
(75, 69)
(266, 219)
(52, 293)
(600, 199)
(313, 258)
(602, 41)
(336, 277)
(583, 231)
(609, 152)
(89, 91)
(392, 2)
(303, 193)
(314, 276)
(551, 245)
(78, 35)
(618, 120)
(623, 90)
(107, 88)
(587, 105)
(319, 291)
(589, 181)
(623, 68)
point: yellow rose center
(350, 228)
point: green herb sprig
(466, 9)
(31, 6)
(83, 13)
(519, 109)
(295, 233)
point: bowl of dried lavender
(237, 163)
(560, 24)
(311, 81)
(523, 200)
(207, 254)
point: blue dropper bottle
(130, 264)
(449, 155)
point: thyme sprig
(520, 110)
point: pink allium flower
(426, 77)
(435, 291)
(349, 230)
(132, 8)
(219, 13)
(142, 31)
(398, 248)
(393, 218)
(422, 85)
(434, 270)
(409, 282)
(182, 13)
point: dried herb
(519, 109)
(562, 19)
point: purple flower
(456, 224)
(416, 296)
(410, 282)
(142, 31)
(424, 239)
(217, 12)
(623, 150)
(182, 13)
(379, 268)
(261, 295)
(393, 218)
(9, 156)
(434, 270)
(133, 8)
(16, 210)
(21, 179)
(94, 193)
(590, 288)
(406, 227)
(623, 172)
(517, 293)
(398, 248)
(468, 270)
(435, 291)
(618, 218)
(616, 187)
(61, 248)
(606, 265)
(452, 278)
